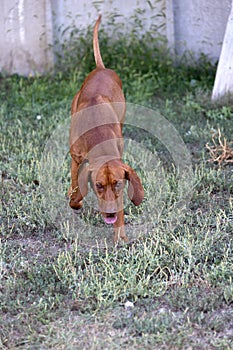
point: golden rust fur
(96, 145)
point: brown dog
(96, 145)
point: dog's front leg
(74, 191)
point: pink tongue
(110, 219)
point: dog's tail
(98, 58)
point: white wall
(115, 14)
(25, 34)
(28, 28)
(200, 26)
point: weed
(222, 151)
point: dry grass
(221, 151)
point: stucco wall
(28, 28)
(200, 26)
(25, 35)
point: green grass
(60, 290)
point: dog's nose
(109, 207)
(111, 215)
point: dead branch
(221, 151)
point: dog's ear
(135, 189)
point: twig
(222, 151)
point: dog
(96, 145)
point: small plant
(221, 151)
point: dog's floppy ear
(135, 189)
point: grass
(61, 290)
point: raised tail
(98, 58)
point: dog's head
(108, 182)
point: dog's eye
(99, 186)
(118, 185)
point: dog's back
(101, 82)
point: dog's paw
(74, 204)
(76, 211)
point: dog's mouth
(110, 218)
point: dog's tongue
(110, 219)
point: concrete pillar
(223, 84)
